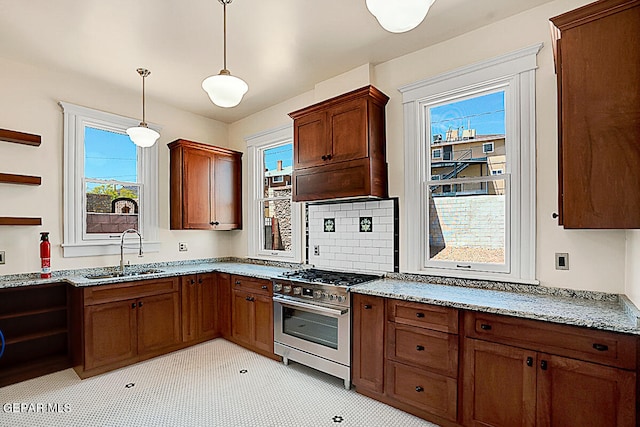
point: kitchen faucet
(130, 230)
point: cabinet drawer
(434, 317)
(122, 291)
(604, 347)
(250, 284)
(427, 391)
(435, 351)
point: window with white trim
(473, 222)
(275, 222)
(110, 183)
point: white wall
(596, 257)
(632, 273)
(29, 104)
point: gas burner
(314, 275)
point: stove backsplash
(360, 235)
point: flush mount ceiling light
(141, 135)
(224, 89)
(400, 15)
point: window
(487, 148)
(110, 184)
(436, 154)
(477, 219)
(275, 222)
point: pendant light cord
(143, 102)
(224, 26)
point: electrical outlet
(316, 250)
(182, 247)
(1, 257)
(562, 261)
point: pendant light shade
(223, 89)
(399, 16)
(141, 135)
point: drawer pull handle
(529, 361)
(367, 306)
(264, 286)
(419, 348)
(485, 327)
(601, 347)
(420, 315)
(249, 299)
(214, 223)
(543, 365)
(419, 389)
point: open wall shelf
(20, 179)
(20, 137)
(8, 220)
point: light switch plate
(562, 261)
(1, 257)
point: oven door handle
(312, 307)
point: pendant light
(141, 135)
(399, 16)
(224, 89)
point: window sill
(106, 248)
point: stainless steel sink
(125, 274)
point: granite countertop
(593, 310)
(596, 310)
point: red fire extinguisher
(45, 255)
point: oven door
(319, 330)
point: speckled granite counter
(601, 311)
(589, 309)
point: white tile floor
(213, 384)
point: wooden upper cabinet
(599, 115)
(339, 147)
(205, 187)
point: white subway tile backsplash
(347, 247)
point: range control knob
(317, 294)
(277, 287)
(297, 290)
(333, 297)
(287, 289)
(325, 295)
(342, 298)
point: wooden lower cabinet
(199, 301)
(252, 314)
(367, 367)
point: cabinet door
(158, 322)
(263, 323)
(189, 305)
(572, 392)
(242, 317)
(207, 306)
(109, 333)
(227, 197)
(348, 128)
(368, 338)
(310, 140)
(499, 385)
(197, 200)
(225, 301)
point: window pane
(468, 137)
(111, 208)
(277, 163)
(109, 155)
(467, 222)
(277, 224)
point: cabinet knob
(250, 299)
(419, 315)
(419, 348)
(554, 215)
(329, 156)
(140, 304)
(485, 327)
(529, 361)
(133, 305)
(543, 365)
(601, 347)
(199, 280)
(324, 157)
(264, 287)
(419, 389)
(237, 282)
(193, 281)
(367, 306)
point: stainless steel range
(312, 323)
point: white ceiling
(280, 48)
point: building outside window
(110, 183)
(477, 218)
